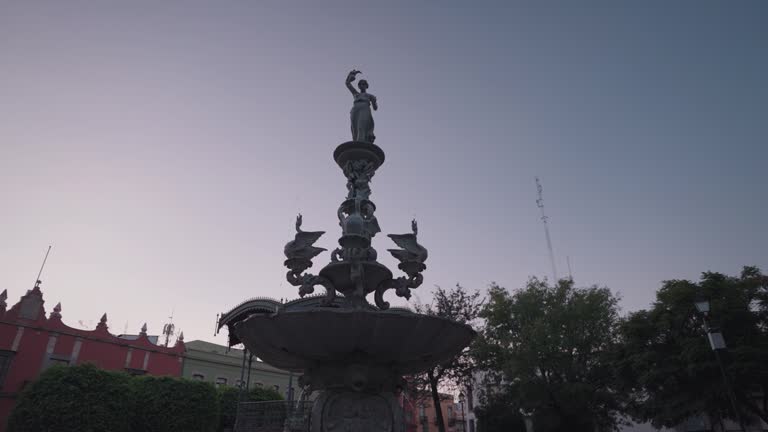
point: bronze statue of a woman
(362, 119)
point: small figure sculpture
(301, 247)
(362, 119)
(412, 251)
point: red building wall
(30, 342)
(425, 413)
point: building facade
(31, 342)
(426, 420)
(223, 366)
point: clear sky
(164, 148)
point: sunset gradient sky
(164, 148)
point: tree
(547, 350)
(460, 306)
(495, 415)
(667, 366)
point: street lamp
(717, 343)
(461, 403)
(702, 305)
(716, 340)
(528, 419)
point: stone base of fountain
(343, 411)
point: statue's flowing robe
(362, 119)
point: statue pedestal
(350, 411)
(356, 397)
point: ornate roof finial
(56, 311)
(3, 298)
(102, 322)
(144, 329)
(181, 337)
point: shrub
(228, 402)
(165, 404)
(87, 399)
(74, 399)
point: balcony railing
(273, 416)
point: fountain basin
(358, 151)
(404, 341)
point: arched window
(198, 377)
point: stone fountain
(352, 352)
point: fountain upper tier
(354, 270)
(305, 339)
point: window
(276, 388)
(259, 384)
(239, 383)
(5, 364)
(198, 377)
(221, 381)
(58, 360)
(135, 372)
(450, 411)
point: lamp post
(528, 419)
(461, 403)
(717, 343)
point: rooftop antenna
(544, 219)
(570, 273)
(168, 329)
(38, 281)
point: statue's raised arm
(351, 79)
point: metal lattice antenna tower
(168, 329)
(40, 273)
(544, 219)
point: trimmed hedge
(77, 399)
(165, 404)
(87, 399)
(228, 402)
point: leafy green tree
(457, 305)
(495, 415)
(547, 350)
(667, 366)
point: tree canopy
(462, 306)
(547, 351)
(665, 362)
